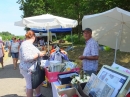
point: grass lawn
(105, 57)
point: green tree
(31, 7)
(74, 9)
(6, 35)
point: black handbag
(37, 76)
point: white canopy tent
(110, 28)
(47, 21)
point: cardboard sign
(69, 92)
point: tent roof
(55, 30)
(46, 21)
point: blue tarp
(55, 30)
(61, 30)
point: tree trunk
(79, 33)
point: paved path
(12, 84)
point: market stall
(42, 33)
(66, 78)
(47, 21)
(111, 29)
(109, 82)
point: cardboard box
(69, 92)
(80, 89)
(63, 87)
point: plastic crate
(53, 76)
(55, 66)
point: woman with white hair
(1, 52)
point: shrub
(75, 39)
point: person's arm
(3, 49)
(9, 47)
(28, 55)
(38, 54)
(88, 57)
(18, 46)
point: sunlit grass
(105, 57)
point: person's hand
(9, 52)
(42, 54)
(81, 57)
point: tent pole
(117, 41)
(116, 49)
(48, 40)
(71, 39)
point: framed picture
(115, 78)
(98, 87)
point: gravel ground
(12, 84)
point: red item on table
(75, 95)
(128, 95)
(53, 76)
(64, 95)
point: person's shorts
(15, 55)
(1, 59)
(27, 77)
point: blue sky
(10, 13)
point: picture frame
(117, 79)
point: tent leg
(71, 39)
(116, 49)
(48, 40)
(117, 41)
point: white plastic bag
(69, 66)
(45, 63)
(33, 68)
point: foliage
(8, 36)
(31, 7)
(74, 9)
(74, 39)
(20, 37)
